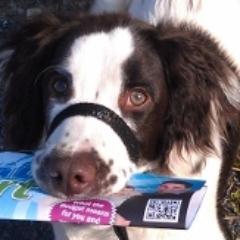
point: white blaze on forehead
(95, 63)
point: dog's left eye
(135, 99)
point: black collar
(107, 116)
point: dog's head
(153, 79)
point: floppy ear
(204, 96)
(32, 47)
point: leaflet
(148, 199)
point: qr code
(162, 210)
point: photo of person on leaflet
(175, 186)
(132, 211)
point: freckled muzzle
(107, 116)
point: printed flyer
(148, 199)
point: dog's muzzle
(107, 116)
(115, 122)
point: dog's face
(169, 85)
(85, 156)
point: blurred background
(12, 14)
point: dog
(173, 86)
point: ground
(13, 12)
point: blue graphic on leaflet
(149, 182)
(20, 170)
(15, 184)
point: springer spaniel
(174, 87)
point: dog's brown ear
(203, 89)
(32, 47)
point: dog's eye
(60, 85)
(138, 97)
(135, 99)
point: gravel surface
(12, 13)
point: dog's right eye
(60, 83)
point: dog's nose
(80, 176)
(75, 175)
